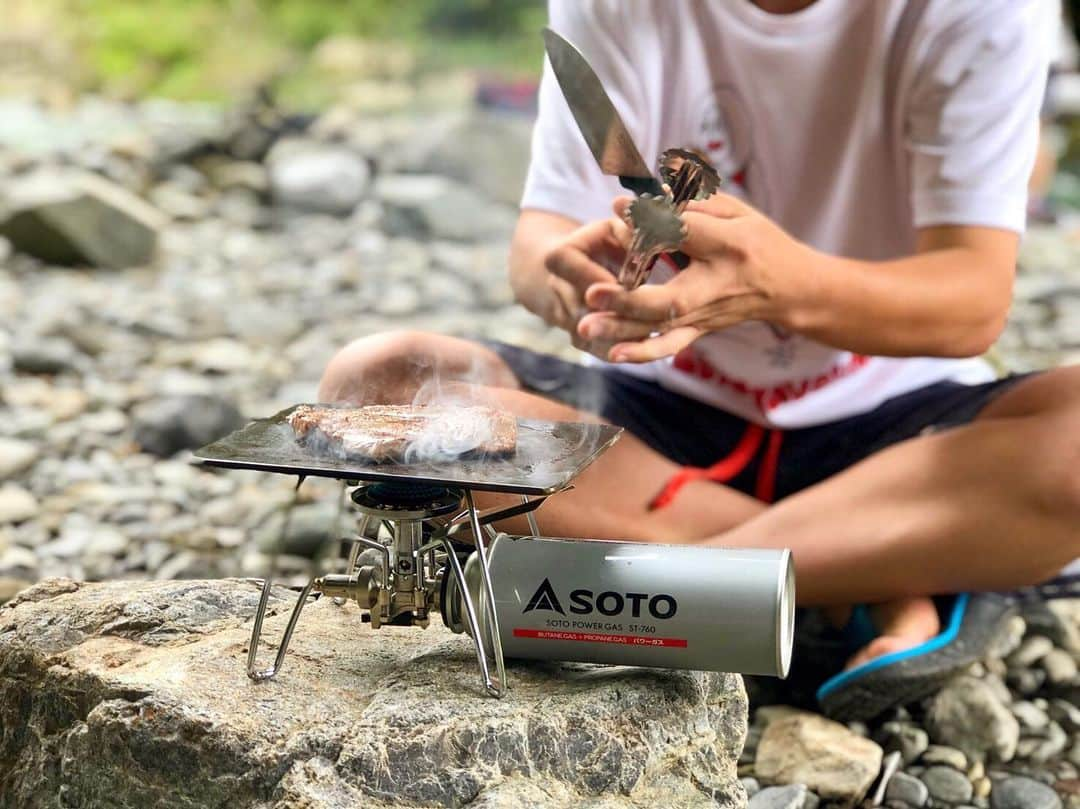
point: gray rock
(133, 694)
(428, 206)
(751, 786)
(1027, 682)
(1031, 651)
(16, 504)
(1065, 713)
(949, 756)
(907, 788)
(1042, 750)
(313, 176)
(1023, 793)
(44, 355)
(1060, 667)
(16, 457)
(1030, 716)
(226, 174)
(77, 218)
(398, 300)
(307, 530)
(1064, 625)
(910, 740)
(454, 151)
(18, 563)
(826, 756)
(179, 202)
(168, 425)
(947, 785)
(789, 797)
(968, 715)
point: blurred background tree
(219, 49)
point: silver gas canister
(630, 603)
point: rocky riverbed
(270, 241)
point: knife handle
(642, 185)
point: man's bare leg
(990, 506)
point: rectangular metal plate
(549, 455)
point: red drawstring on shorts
(728, 467)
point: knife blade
(599, 122)
(596, 117)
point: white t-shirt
(850, 123)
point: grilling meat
(406, 432)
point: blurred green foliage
(216, 48)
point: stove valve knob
(362, 586)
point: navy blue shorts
(692, 433)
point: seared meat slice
(407, 432)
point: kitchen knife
(599, 122)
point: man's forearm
(536, 234)
(948, 302)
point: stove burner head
(407, 500)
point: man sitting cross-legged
(815, 364)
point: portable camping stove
(422, 508)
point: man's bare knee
(1056, 475)
(392, 367)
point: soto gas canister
(629, 603)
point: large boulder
(77, 218)
(134, 694)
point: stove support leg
(256, 632)
(534, 527)
(473, 619)
(495, 689)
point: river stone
(949, 756)
(318, 177)
(166, 425)
(947, 785)
(16, 457)
(1060, 667)
(424, 206)
(453, 153)
(1059, 620)
(1023, 793)
(16, 504)
(134, 694)
(911, 741)
(789, 797)
(967, 714)
(308, 528)
(72, 218)
(1031, 651)
(908, 789)
(826, 756)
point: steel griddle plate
(549, 455)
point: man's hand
(584, 259)
(743, 267)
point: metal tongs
(655, 220)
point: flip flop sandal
(973, 623)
